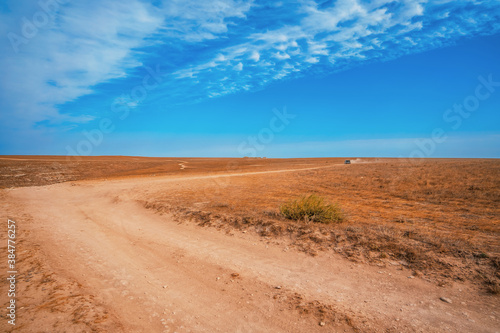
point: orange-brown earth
(130, 244)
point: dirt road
(97, 260)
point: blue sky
(259, 78)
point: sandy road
(152, 274)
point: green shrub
(312, 208)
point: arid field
(133, 244)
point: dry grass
(311, 208)
(438, 218)
(17, 171)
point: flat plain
(134, 244)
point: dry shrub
(312, 208)
(492, 286)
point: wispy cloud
(337, 35)
(238, 45)
(196, 21)
(84, 45)
(88, 43)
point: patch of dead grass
(439, 217)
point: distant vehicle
(347, 162)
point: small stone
(446, 300)
(278, 287)
(164, 287)
(322, 323)
(411, 277)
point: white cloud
(83, 47)
(281, 56)
(312, 60)
(196, 21)
(238, 67)
(94, 42)
(347, 32)
(255, 56)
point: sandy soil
(92, 258)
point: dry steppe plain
(134, 244)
